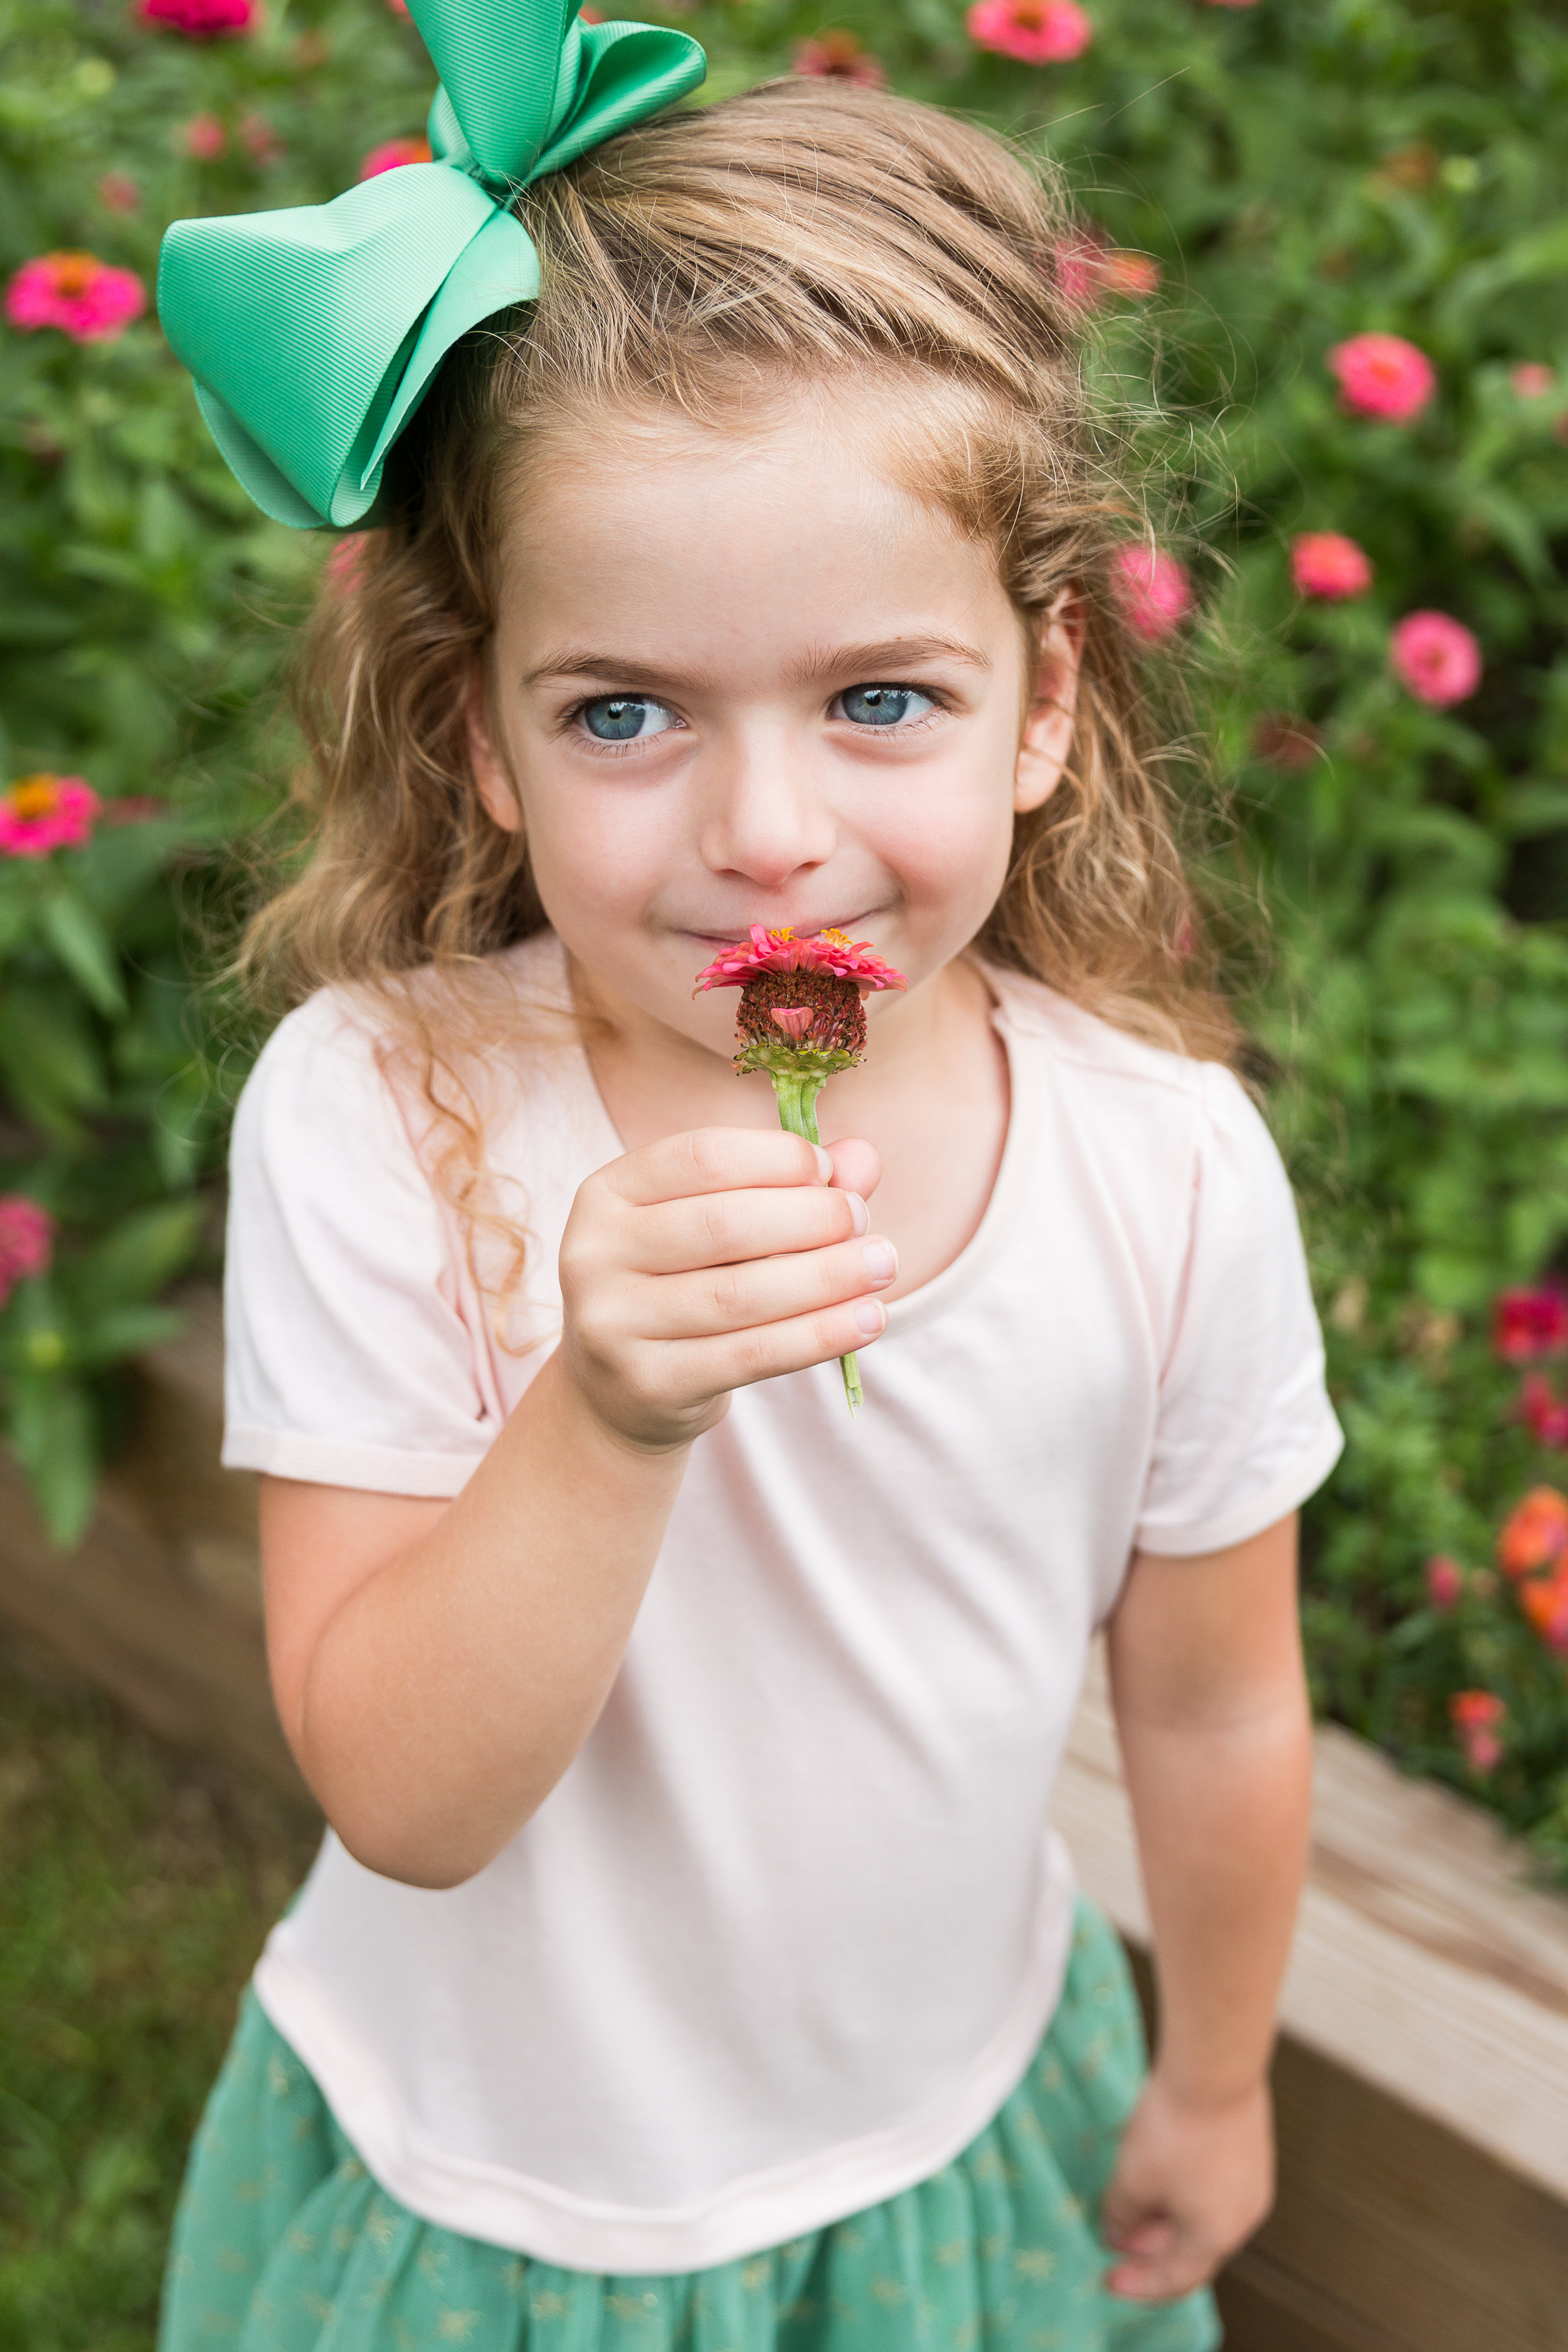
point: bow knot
(314, 333)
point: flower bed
(1324, 248)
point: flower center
(34, 796)
(74, 272)
(814, 1009)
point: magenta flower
(839, 57)
(833, 953)
(391, 154)
(1437, 657)
(26, 1241)
(202, 20)
(1527, 1324)
(203, 136)
(1445, 1581)
(43, 813)
(83, 296)
(1325, 563)
(1543, 1413)
(1156, 591)
(1383, 375)
(1477, 1717)
(1531, 381)
(344, 567)
(1036, 32)
(118, 193)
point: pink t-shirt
(785, 1935)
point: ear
(1048, 723)
(495, 786)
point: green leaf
(54, 1436)
(82, 945)
(139, 1257)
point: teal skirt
(284, 2243)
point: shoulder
(1122, 1086)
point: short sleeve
(1245, 1431)
(347, 1359)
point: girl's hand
(707, 1261)
(1190, 2185)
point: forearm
(451, 1690)
(1222, 1813)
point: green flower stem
(795, 1093)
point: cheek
(949, 836)
(601, 852)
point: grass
(136, 1884)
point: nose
(765, 818)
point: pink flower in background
(203, 136)
(345, 566)
(43, 813)
(1531, 1323)
(1037, 32)
(400, 7)
(1445, 1581)
(1383, 375)
(1437, 657)
(202, 20)
(1286, 741)
(1087, 268)
(1325, 563)
(1156, 590)
(1531, 381)
(83, 296)
(839, 57)
(1543, 1413)
(259, 138)
(131, 808)
(118, 193)
(1477, 1717)
(1125, 272)
(26, 1241)
(391, 154)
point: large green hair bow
(313, 334)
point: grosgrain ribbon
(314, 333)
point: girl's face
(748, 679)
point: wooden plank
(1422, 2080)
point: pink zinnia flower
(1122, 271)
(203, 136)
(391, 154)
(26, 1241)
(1531, 1323)
(43, 813)
(118, 193)
(1445, 1581)
(832, 952)
(839, 57)
(1037, 32)
(1543, 1413)
(83, 296)
(345, 565)
(1325, 563)
(1476, 1716)
(1156, 591)
(1531, 381)
(202, 20)
(1383, 375)
(1437, 657)
(1534, 1535)
(259, 138)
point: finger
(761, 1291)
(1162, 2278)
(857, 1166)
(717, 1160)
(1152, 2236)
(708, 1367)
(714, 1229)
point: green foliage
(134, 1897)
(1301, 174)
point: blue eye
(883, 705)
(624, 717)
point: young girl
(690, 1960)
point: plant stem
(796, 1094)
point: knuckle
(728, 1290)
(721, 1226)
(707, 1150)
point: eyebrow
(835, 661)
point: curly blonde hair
(804, 232)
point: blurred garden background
(1324, 257)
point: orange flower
(1534, 1535)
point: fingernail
(881, 1261)
(869, 1316)
(860, 1215)
(824, 1164)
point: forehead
(777, 527)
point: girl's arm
(438, 1665)
(1211, 1705)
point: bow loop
(314, 333)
